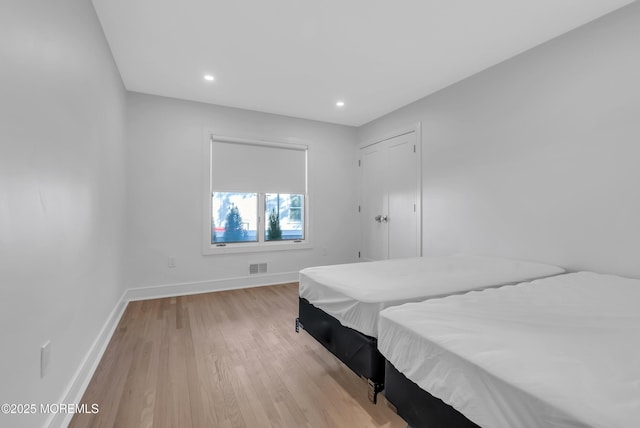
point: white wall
(165, 194)
(537, 157)
(62, 125)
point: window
(256, 196)
(234, 217)
(284, 214)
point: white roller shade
(256, 167)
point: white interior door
(374, 202)
(389, 208)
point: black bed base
(419, 408)
(357, 351)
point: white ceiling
(298, 57)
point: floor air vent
(255, 268)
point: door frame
(417, 128)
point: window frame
(209, 248)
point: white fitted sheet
(355, 293)
(558, 352)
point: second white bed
(558, 352)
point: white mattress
(556, 352)
(355, 293)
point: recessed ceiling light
(209, 77)
(340, 103)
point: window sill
(255, 247)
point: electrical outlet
(45, 358)
(171, 262)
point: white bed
(355, 293)
(556, 352)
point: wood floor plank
(149, 383)
(228, 359)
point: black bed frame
(358, 351)
(418, 407)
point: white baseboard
(87, 368)
(184, 289)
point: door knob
(381, 218)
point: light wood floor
(225, 359)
